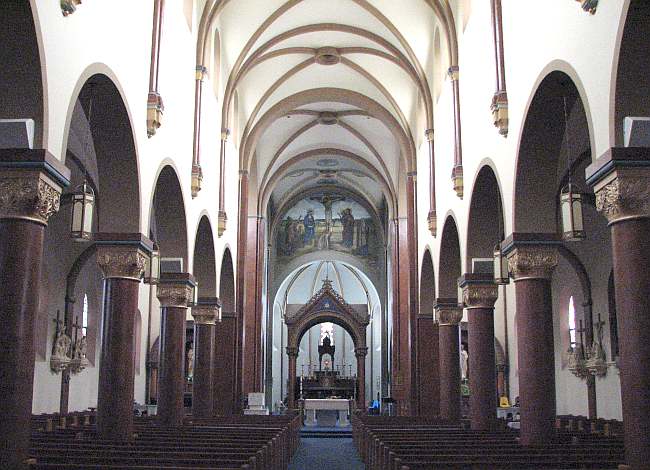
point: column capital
(531, 255)
(453, 72)
(621, 181)
(122, 255)
(176, 290)
(360, 352)
(479, 290)
(31, 182)
(222, 221)
(429, 133)
(448, 312)
(206, 311)
(292, 352)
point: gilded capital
(222, 222)
(121, 261)
(481, 295)
(532, 261)
(448, 315)
(28, 195)
(453, 72)
(205, 314)
(432, 222)
(626, 196)
(175, 295)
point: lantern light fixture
(152, 269)
(83, 205)
(501, 272)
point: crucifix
(60, 324)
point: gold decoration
(448, 315)
(205, 314)
(624, 197)
(30, 196)
(532, 262)
(499, 109)
(432, 222)
(222, 220)
(457, 180)
(121, 262)
(68, 7)
(175, 295)
(155, 110)
(197, 179)
(453, 72)
(480, 295)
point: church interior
(341, 234)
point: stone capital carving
(482, 295)
(448, 315)
(121, 261)
(28, 195)
(532, 261)
(175, 295)
(292, 352)
(432, 222)
(205, 314)
(361, 352)
(626, 196)
(222, 221)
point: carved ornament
(532, 262)
(28, 196)
(205, 314)
(589, 6)
(449, 315)
(361, 352)
(624, 197)
(292, 351)
(155, 110)
(174, 295)
(68, 7)
(222, 221)
(480, 295)
(499, 109)
(457, 180)
(197, 180)
(121, 262)
(432, 221)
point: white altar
(311, 405)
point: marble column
(621, 180)
(175, 295)
(291, 387)
(205, 317)
(479, 295)
(531, 260)
(28, 198)
(122, 259)
(449, 314)
(360, 354)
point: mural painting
(328, 221)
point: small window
(84, 317)
(572, 321)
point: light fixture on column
(571, 197)
(152, 269)
(501, 272)
(83, 204)
(219, 315)
(195, 294)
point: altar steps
(326, 433)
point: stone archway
(328, 306)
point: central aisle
(327, 453)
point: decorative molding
(121, 261)
(457, 180)
(205, 314)
(499, 109)
(482, 295)
(197, 180)
(292, 351)
(222, 222)
(29, 196)
(432, 222)
(453, 73)
(175, 295)
(589, 6)
(624, 197)
(327, 299)
(532, 261)
(361, 352)
(68, 7)
(155, 108)
(448, 315)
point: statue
(190, 363)
(325, 348)
(60, 358)
(463, 362)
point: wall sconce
(83, 205)
(152, 270)
(571, 208)
(501, 272)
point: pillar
(621, 179)
(205, 318)
(449, 314)
(175, 295)
(122, 259)
(479, 295)
(292, 352)
(531, 260)
(28, 198)
(225, 358)
(360, 354)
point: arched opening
(485, 224)
(205, 271)
(168, 227)
(633, 73)
(21, 89)
(450, 263)
(224, 373)
(427, 342)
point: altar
(329, 409)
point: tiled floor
(326, 454)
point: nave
(226, 225)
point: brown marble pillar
(205, 317)
(479, 295)
(531, 265)
(225, 358)
(175, 295)
(621, 179)
(427, 365)
(28, 198)
(292, 352)
(360, 354)
(122, 259)
(449, 314)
